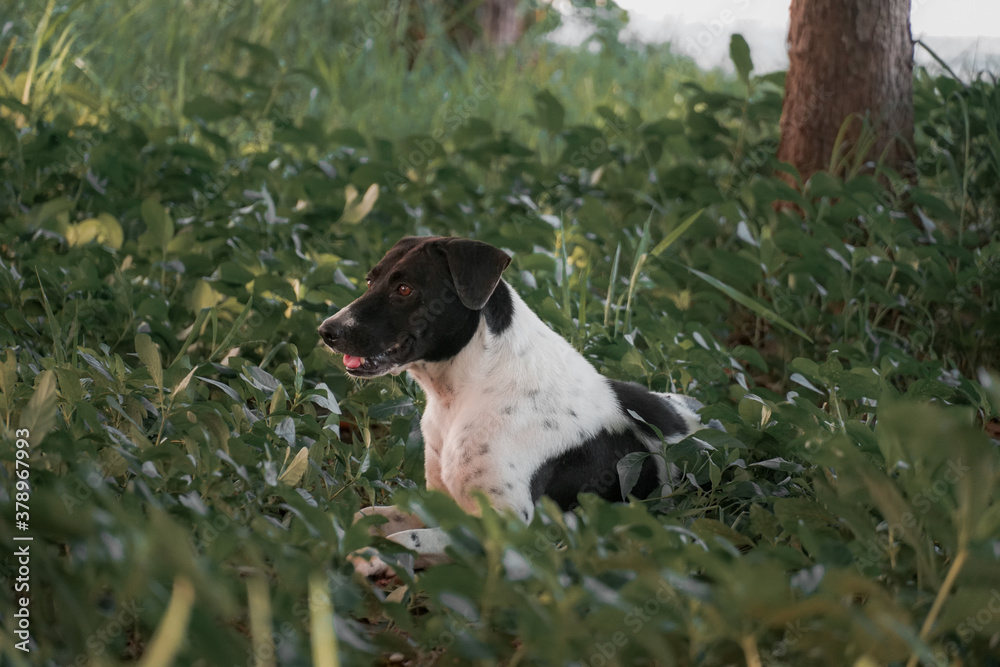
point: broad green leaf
(203, 296)
(149, 355)
(629, 468)
(159, 226)
(323, 397)
(549, 113)
(209, 109)
(739, 52)
(260, 53)
(104, 229)
(296, 469)
(261, 379)
(8, 373)
(226, 389)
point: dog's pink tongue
(353, 362)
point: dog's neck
(443, 381)
(476, 363)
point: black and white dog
(513, 411)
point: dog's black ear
(475, 269)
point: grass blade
(168, 636)
(637, 264)
(322, 633)
(261, 634)
(611, 287)
(236, 327)
(749, 302)
(675, 234)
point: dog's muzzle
(335, 333)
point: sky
(966, 33)
(942, 18)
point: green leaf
(261, 379)
(296, 469)
(629, 468)
(39, 415)
(8, 373)
(159, 227)
(80, 94)
(209, 109)
(226, 389)
(323, 397)
(149, 355)
(104, 229)
(261, 54)
(739, 52)
(549, 113)
(348, 137)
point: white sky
(940, 18)
(965, 33)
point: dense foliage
(176, 219)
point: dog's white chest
(462, 447)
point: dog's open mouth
(371, 366)
(367, 366)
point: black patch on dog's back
(592, 467)
(651, 408)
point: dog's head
(424, 302)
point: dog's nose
(330, 332)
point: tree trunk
(848, 59)
(482, 25)
(500, 22)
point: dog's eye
(404, 290)
(368, 281)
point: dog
(513, 410)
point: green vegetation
(185, 195)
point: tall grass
(339, 62)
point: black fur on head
(424, 302)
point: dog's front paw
(367, 563)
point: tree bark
(848, 59)
(500, 22)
